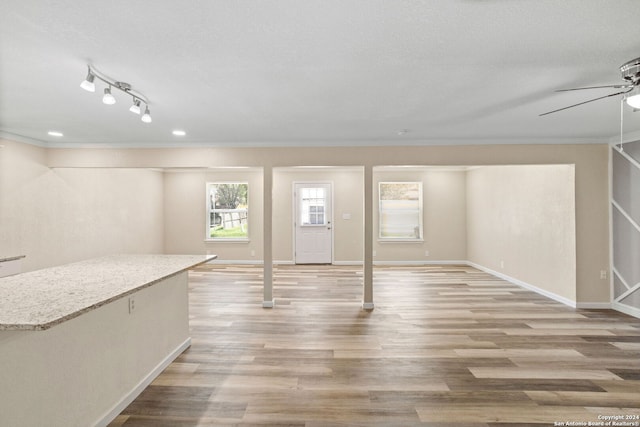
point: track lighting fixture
(108, 98)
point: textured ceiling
(326, 72)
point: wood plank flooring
(445, 345)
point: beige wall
(521, 223)
(347, 199)
(185, 213)
(56, 216)
(444, 216)
(591, 179)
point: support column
(267, 207)
(367, 301)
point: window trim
(420, 238)
(208, 238)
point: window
(400, 210)
(312, 206)
(227, 211)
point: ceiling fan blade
(586, 102)
(594, 87)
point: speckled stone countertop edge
(51, 324)
(11, 258)
(17, 327)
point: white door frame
(295, 213)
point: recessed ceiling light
(179, 132)
(55, 133)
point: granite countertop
(41, 299)
(10, 258)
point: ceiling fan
(631, 90)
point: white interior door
(313, 228)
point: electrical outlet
(501, 263)
(426, 253)
(132, 305)
(374, 253)
(253, 252)
(603, 274)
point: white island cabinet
(79, 342)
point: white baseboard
(594, 305)
(275, 262)
(555, 297)
(382, 263)
(237, 261)
(410, 263)
(269, 304)
(626, 309)
(289, 262)
(144, 383)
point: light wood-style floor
(445, 345)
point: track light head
(146, 117)
(135, 108)
(88, 83)
(108, 98)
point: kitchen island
(78, 342)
